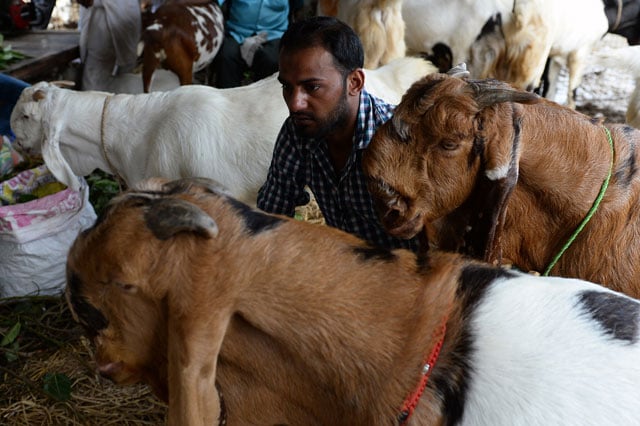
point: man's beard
(338, 117)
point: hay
(93, 400)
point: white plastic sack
(35, 236)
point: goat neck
(561, 171)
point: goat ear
(65, 84)
(38, 95)
(55, 161)
(488, 203)
(166, 217)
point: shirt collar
(364, 122)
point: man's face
(314, 90)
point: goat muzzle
(110, 370)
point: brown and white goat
(183, 37)
(493, 171)
(182, 287)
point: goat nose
(396, 210)
(109, 369)
(398, 205)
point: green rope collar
(593, 209)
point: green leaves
(7, 55)
(57, 386)
(10, 343)
(102, 188)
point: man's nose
(297, 100)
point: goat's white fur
(540, 360)
(455, 23)
(565, 32)
(225, 134)
(498, 172)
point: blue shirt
(250, 17)
(344, 200)
(10, 90)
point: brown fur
(425, 171)
(295, 325)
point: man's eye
(313, 87)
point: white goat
(456, 23)
(224, 134)
(564, 32)
(188, 131)
(627, 59)
(392, 80)
(423, 23)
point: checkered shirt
(344, 200)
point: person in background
(109, 34)
(40, 13)
(332, 120)
(10, 90)
(253, 31)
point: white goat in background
(564, 32)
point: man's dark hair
(335, 36)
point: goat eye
(449, 145)
(129, 288)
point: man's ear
(355, 81)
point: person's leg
(265, 61)
(229, 65)
(100, 57)
(42, 12)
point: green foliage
(102, 188)
(57, 386)
(10, 344)
(8, 55)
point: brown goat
(492, 171)
(181, 286)
(182, 36)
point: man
(109, 35)
(332, 120)
(252, 39)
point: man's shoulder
(380, 109)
